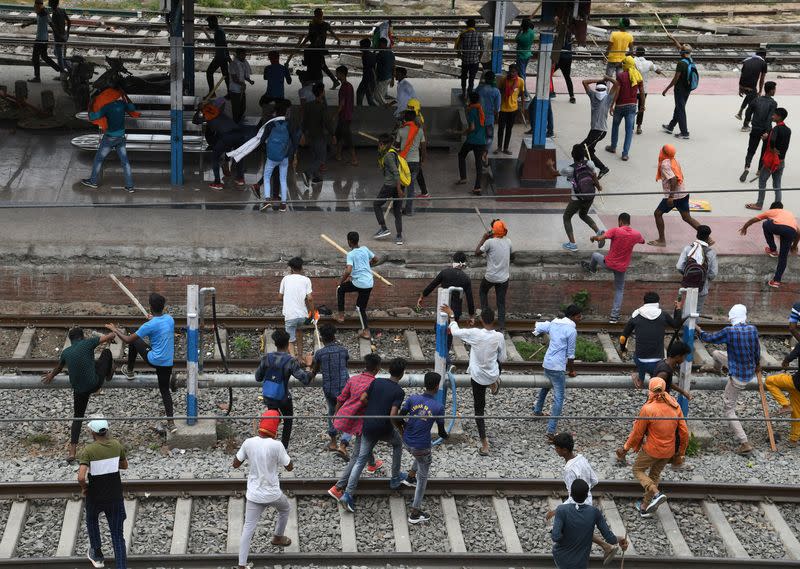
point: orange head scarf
(658, 390)
(668, 152)
(499, 228)
(210, 112)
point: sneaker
(587, 266)
(603, 172)
(95, 560)
(682, 136)
(127, 372)
(666, 129)
(129, 189)
(774, 284)
(335, 493)
(424, 196)
(372, 469)
(347, 501)
(417, 517)
(745, 127)
(265, 206)
(738, 116)
(743, 177)
(283, 207)
(398, 240)
(613, 320)
(239, 182)
(624, 157)
(569, 246)
(642, 513)
(216, 186)
(611, 149)
(572, 100)
(381, 233)
(410, 481)
(744, 449)
(771, 252)
(638, 130)
(89, 184)
(402, 477)
(657, 500)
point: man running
(675, 195)
(751, 81)
(113, 139)
(42, 23)
(264, 455)
(761, 109)
(487, 352)
(86, 375)
(681, 81)
(357, 277)
(601, 101)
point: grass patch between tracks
(585, 350)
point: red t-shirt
(346, 101)
(627, 95)
(623, 240)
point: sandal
(495, 387)
(281, 541)
(483, 452)
(754, 206)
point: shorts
(292, 325)
(681, 204)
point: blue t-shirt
(276, 74)
(490, 101)
(161, 332)
(420, 408)
(478, 134)
(115, 115)
(361, 274)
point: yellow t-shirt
(508, 105)
(619, 45)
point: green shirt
(525, 43)
(391, 169)
(79, 359)
(103, 458)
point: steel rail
(232, 322)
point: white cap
(98, 425)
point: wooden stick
(211, 93)
(344, 252)
(129, 295)
(663, 27)
(477, 211)
(367, 136)
(765, 407)
(598, 47)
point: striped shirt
(744, 350)
(470, 46)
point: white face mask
(601, 94)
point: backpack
(692, 75)
(402, 169)
(583, 180)
(279, 141)
(274, 386)
(770, 160)
(694, 273)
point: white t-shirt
(295, 289)
(264, 455)
(579, 468)
(487, 348)
(645, 66)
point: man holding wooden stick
(743, 360)
(357, 277)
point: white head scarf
(600, 91)
(737, 314)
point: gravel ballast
(532, 529)
(700, 535)
(42, 528)
(479, 524)
(152, 532)
(753, 530)
(209, 525)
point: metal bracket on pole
(442, 350)
(690, 314)
(192, 350)
(542, 104)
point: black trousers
(40, 54)
(387, 193)
(477, 151)
(286, 408)
(238, 105)
(565, 65)
(479, 398)
(752, 145)
(220, 63)
(505, 126)
(163, 373)
(468, 71)
(500, 290)
(361, 300)
(591, 140)
(581, 207)
(366, 88)
(103, 368)
(748, 98)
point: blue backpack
(274, 386)
(692, 75)
(279, 141)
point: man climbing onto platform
(781, 223)
(655, 441)
(703, 267)
(496, 245)
(158, 353)
(487, 352)
(742, 358)
(265, 455)
(453, 276)
(357, 277)
(675, 195)
(559, 361)
(86, 375)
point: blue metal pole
(192, 350)
(442, 352)
(541, 106)
(499, 31)
(176, 94)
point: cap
(270, 419)
(98, 425)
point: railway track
(512, 509)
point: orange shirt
(659, 435)
(780, 217)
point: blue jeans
(619, 282)
(422, 465)
(628, 112)
(60, 51)
(107, 144)
(522, 69)
(283, 169)
(331, 401)
(408, 204)
(644, 368)
(764, 175)
(367, 444)
(558, 379)
(679, 114)
(115, 514)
